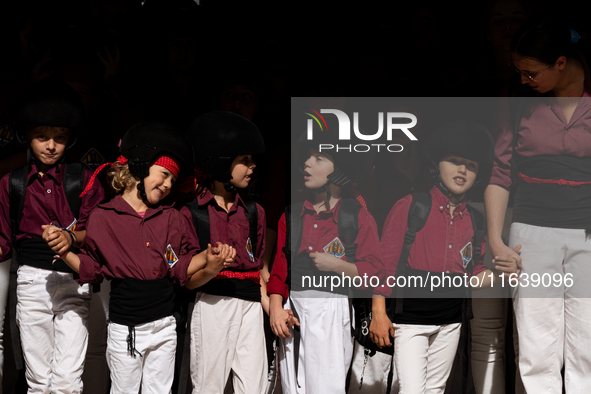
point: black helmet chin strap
(434, 174)
(142, 189)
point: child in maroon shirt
(427, 332)
(51, 307)
(142, 247)
(227, 334)
(320, 361)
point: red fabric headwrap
(169, 164)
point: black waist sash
(135, 301)
(553, 205)
(442, 305)
(36, 253)
(305, 276)
(244, 289)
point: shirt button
(441, 207)
(48, 190)
(148, 244)
(315, 226)
(450, 246)
(447, 272)
(309, 248)
(452, 222)
(154, 272)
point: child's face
(241, 169)
(48, 144)
(458, 174)
(158, 183)
(316, 169)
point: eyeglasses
(529, 76)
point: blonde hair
(120, 177)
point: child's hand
(281, 321)
(57, 239)
(216, 257)
(381, 329)
(324, 261)
(508, 264)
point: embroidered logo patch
(171, 256)
(6, 135)
(93, 159)
(466, 253)
(336, 248)
(72, 226)
(249, 249)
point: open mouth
(460, 180)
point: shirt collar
(442, 202)
(56, 173)
(309, 208)
(208, 198)
(118, 204)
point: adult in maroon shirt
(544, 152)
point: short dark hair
(543, 40)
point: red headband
(169, 164)
(163, 161)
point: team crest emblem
(466, 253)
(6, 135)
(249, 249)
(93, 159)
(171, 256)
(336, 248)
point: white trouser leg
(227, 335)
(96, 370)
(4, 279)
(153, 371)
(424, 355)
(375, 376)
(326, 345)
(577, 313)
(52, 314)
(553, 331)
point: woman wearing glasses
(544, 153)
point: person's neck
(42, 169)
(132, 197)
(319, 199)
(454, 202)
(224, 198)
(572, 83)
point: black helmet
(145, 142)
(49, 103)
(218, 137)
(465, 139)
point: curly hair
(120, 177)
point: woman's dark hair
(543, 40)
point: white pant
(227, 335)
(375, 376)
(152, 369)
(554, 332)
(4, 279)
(424, 355)
(326, 345)
(52, 314)
(96, 371)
